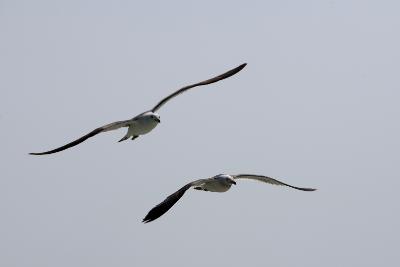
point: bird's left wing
(105, 128)
(269, 180)
(212, 80)
(164, 206)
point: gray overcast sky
(317, 106)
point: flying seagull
(144, 122)
(218, 183)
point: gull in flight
(218, 183)
(144, 122)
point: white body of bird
(142, 124)
(220, 183)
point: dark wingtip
(240, 67)
(147, 220)
(151, 216)
(36, 154)
(230, 73)
(309, 189)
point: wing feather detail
(105, 128)
(209, 81)
(269, 180)
(164, 206)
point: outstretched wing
(268, 180)
(105, 128)
(164, 206)
(212, 80)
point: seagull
(144, 122)
(218, 183)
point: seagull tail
(124, 138)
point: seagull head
(154, 116)
(228, 179)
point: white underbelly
(216, 186)
(142, 127)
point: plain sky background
(317, 106)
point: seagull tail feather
(124, 138)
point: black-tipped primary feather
(209, 81)
(164, 206)
(105, 128)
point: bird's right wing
(209, 81)
(269, 180)
(164, 206)
(105, 128)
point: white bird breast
(215, 185)
(143, 126)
